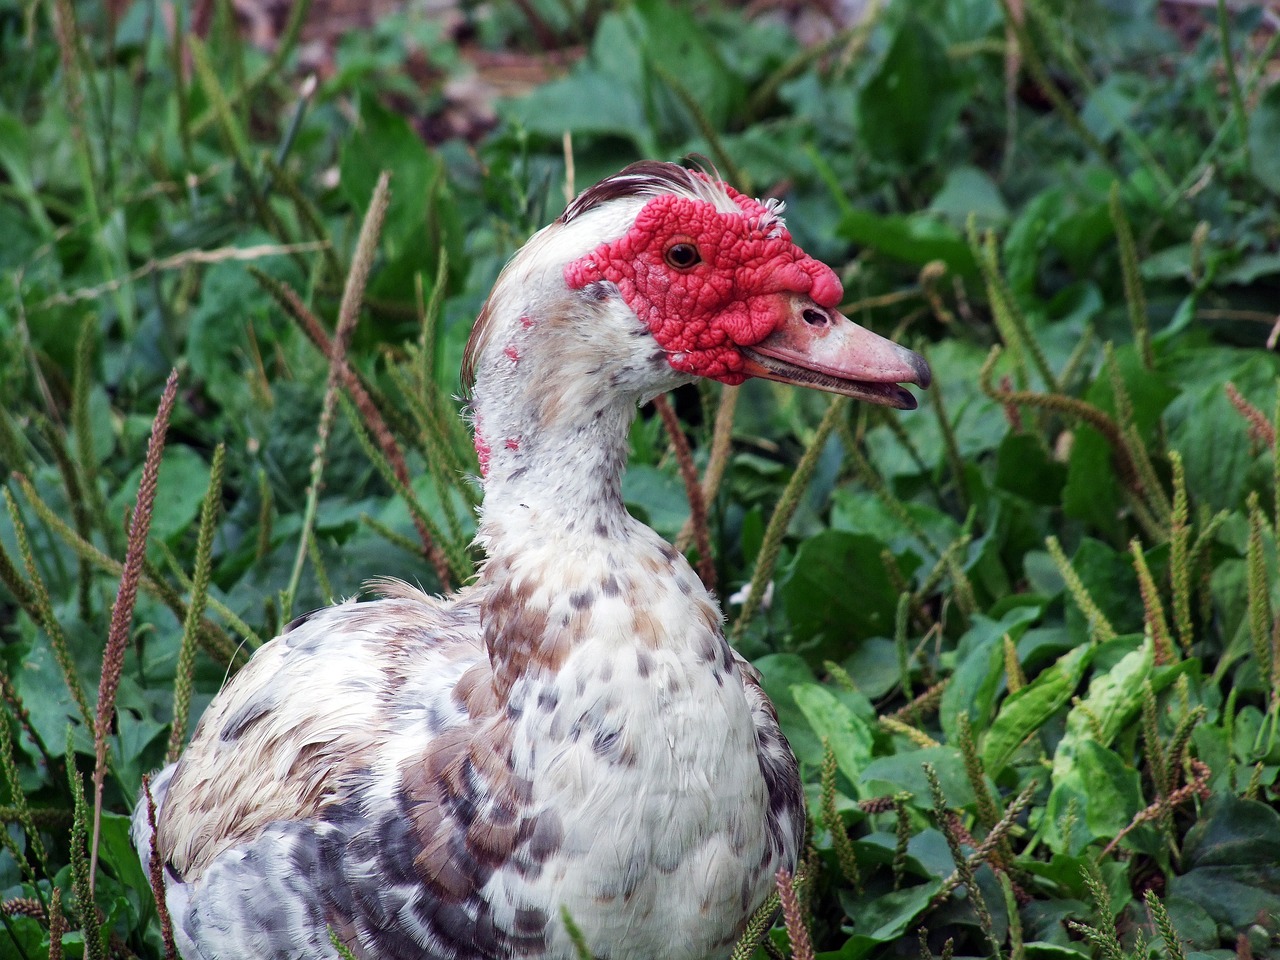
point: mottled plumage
(441, 778)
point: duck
(567, 746)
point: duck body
(570, 735)
(644, 786)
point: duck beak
(818, 347)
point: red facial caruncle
(706, 282)
(483, 450)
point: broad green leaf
(1092, 491)
(1196, 928)
(915, 238)
(1026, 467)
(848, 734)
(183, 481)
(980, 668)
(1251, 268)
(873, 666)
(970, 191)
(1027, 238)
(1106, 792)
(1232, 860)
(1264, 139)
(419, 221)
(863, 512)
(907, 107)
(1023, 712)
(905, 771)
(1043, 950)
(1109, 578)
(1114, 698)
(1112, 104)
(837, 585)
(658, 496)
(219, 338)
(637, 56)
(1232, 832)
(928, 855)
(679, 49)
(574, 104)
(977, 423)
(1209, 432)
(1082, 230)
(884, 919)
(118, 853)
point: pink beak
(822, 348)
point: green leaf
(781, 673)
(1264, 139)
(1107, 794)
(1109, 577)
(1233, 860)
(658, 497)
(677, 44)
(1112, 104)
(848, 734)
(863, 512)
(980, 668)
(40, 684)
(978, 424)
(117, 852)
(883, 920)
(184, 477)
(970, 191)
(638, 56)
(905, 771)
(574, 103)
(219, 339)
(1114, 698)
(1209, 431)
(1024, 466)
(1233, 831)
(1024, 712)
(417, 223)
(915, 238)
(873, 666)
(1251, 268)
(908, 105)
(1091, 493)
(817, 588)
(1196, 928)
(1043, 950)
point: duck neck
(554, 399)
(553, 457)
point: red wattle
(701, 314)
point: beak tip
(924, 375)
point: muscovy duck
(446, 777)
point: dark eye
(682, 256)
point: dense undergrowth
(1024, 641)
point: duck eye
(682, 256)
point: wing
(294, 729)
(786, 820)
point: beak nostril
(815, 318)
